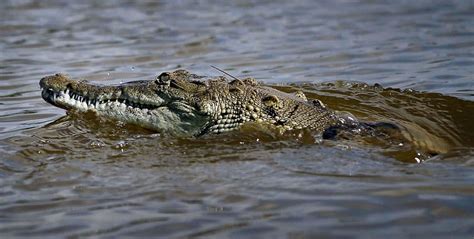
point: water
(81, 176)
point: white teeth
(82, 103)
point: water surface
(405, 62)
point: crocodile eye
(164, 78)
(270, 101)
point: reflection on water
(82, 176)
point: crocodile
(182, 103)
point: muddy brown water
(80, 176)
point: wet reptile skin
(183, 103)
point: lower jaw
(150, 119)
(161, 119)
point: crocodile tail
(365, 129)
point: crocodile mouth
(69, 99)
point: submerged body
(182, 103)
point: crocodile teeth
(82, 102)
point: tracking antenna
(235, 78)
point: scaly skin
(181, 103)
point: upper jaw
(63, 92)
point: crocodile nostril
(42, 82)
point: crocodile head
(170, 103)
